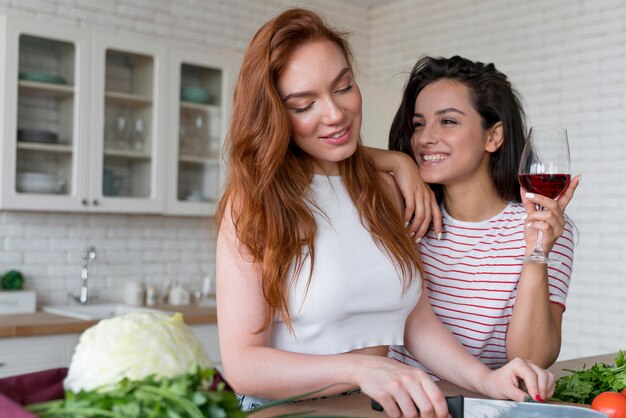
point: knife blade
(461, 407)
(490, 408)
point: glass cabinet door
(128, 165)
(45, 116)
(197, 134)
(128, 113)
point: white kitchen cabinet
(21, 355)
(207, 334)
(108, 129)
(198, 107)
(44, 115)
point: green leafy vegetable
(188, 395)
(581, 386)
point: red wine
(550, 185)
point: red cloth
(16, 391)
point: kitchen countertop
(42, 323)
(358, 405)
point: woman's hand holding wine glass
(544, 175)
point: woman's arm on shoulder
(420, 204)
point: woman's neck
(473, 201)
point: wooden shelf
(200, 106)
(46, 89)
(128, 99)
(198, 160)
(57, 148)
(131, 155)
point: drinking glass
(139, 134)
(544, 169)
(122, 130)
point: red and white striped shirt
(471, 275)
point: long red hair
(269, 176)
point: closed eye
(302, 109)
(345, 89)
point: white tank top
(355, 297)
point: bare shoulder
(392, 190)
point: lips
(338, 137)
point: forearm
(435, 347)
(535, 329)
(270, 373)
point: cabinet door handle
(84, 202)
(95, 202)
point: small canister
(133, 293)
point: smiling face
(448, 142)
(323, 103)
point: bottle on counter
(151, 296)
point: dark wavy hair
(491, 95)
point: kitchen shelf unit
(118, 115)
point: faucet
(85, 295)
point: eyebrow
(441, 112)
(311, 93)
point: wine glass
(544, 169)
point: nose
(428, 135)
(333, 113)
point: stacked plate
(33, 135)
(34, 182)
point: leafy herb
(192, 395)
(584, 385)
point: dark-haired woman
(463, 124)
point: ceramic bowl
(194, 94)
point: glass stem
(538, 243)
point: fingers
(545, 382)
(437, 218)
(537, 381)
(567, 195)
(407, 392)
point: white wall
(567, 60)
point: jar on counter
(134, 293)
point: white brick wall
(567, 60)
(565, 57)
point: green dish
(42, 77)
(194, 94)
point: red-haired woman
(316, 274)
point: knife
(461, 407)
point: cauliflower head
(134, 346)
